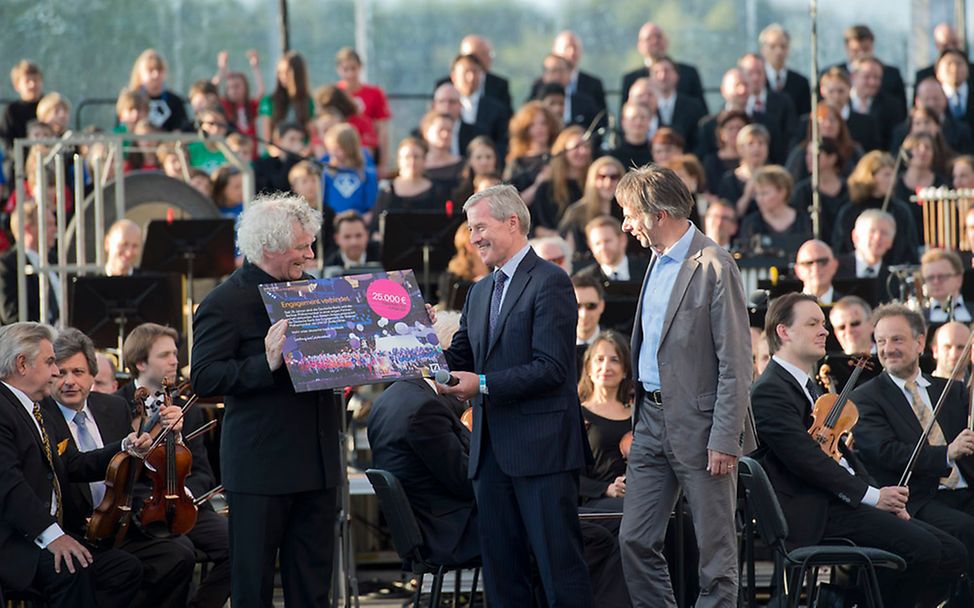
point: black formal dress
(279, 450)
(27, 488)
(604, 435)
(821, 499)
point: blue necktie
(955, 106)
(495, 302)
(86, 443)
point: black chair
(408, 540)
(27, 598)
(795, 565)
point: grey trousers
(653, 479)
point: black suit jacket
(9, 307)
(804, 478)
(798, 90)
(372, 254)
(637, 268)
(586, 83)
(888, 113)
(274, 441)
(530, 370)
(417, 436)
(201, 478)
(847, 270)
(687, 113)
(689, 84)
(892, 83)
(492, 119)
(26, 485)
(781, 119)
(112, 418)
(496, 87)
(888, 430)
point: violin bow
(958, 368)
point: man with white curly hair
(279, 449)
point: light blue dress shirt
(656, 299)
(510, 268)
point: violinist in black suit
(822, 497)
(37, 552)
(775, 43)
(895, 407)
(151, 352)
(652, 44)
(91, 421)
(279, 449)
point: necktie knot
(80, 418)
(812, 389)
(500, 278)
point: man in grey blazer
(691, 350)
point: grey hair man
(692, 355)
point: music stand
(420, 240)
(176, 246)
(621, 299)
(106, 308)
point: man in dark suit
(944, 37)
(610, 262)
(152, 354)
(956, 132)
(492, 85)
(37, 553)
(775, 43)
(815, 267)
(734, 90)
(514, 356)
(280, 466)
(569, 47)
(826, 498)
(580, 109)
(953, 73)
(92, 421)
(767, 106)
(693, 366)
(446, 101)
(652, 44)
(895, 407)
(355, 249)
(476, 107)
(943, 276)
(835, 87)
(859, 43)
(868, 97)
(9, 303)
(678, 111)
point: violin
(834, 416)
(114, 514)
(168, 511)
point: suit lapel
(24, 416)
(522, 276)
(636, 341)
(687, 269)
(896, 401)
(805, 408)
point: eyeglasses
(588, 305)
(609, 176)
(819, 261)
(849, 325)
(937, 278)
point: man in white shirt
(952, 72)
(815, 267)
(943, 276)
(948, 343)
(37, 553)
(607, 242)
(895, 406)
(872, 237)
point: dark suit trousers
(211, 536)
(112, 580)
(933, 557)
(301, 527)
(167, 566)
(604, 566)
(524, 516)
(953, 512)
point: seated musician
(123, 246)
(894, 408)
(605, 389)
(151, 353)
(38, 553)
(822, 497)
(92, 420)
(853, 329)
(815, 267)
(948, 343)
(943, 276)
(416, 435)
(872, 238)
(609, 261)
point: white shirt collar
(678, 250)
(70, 413)
(825, 298)
(801, 376)
(348, 262)
(846, 111)
(861, 266)
(621, 269)
(773, 74)
(901, 382)
(950, 91)
(752, 101)
(468, 108)
(21, 396)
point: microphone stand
(816, 208)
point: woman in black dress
(606, 392)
